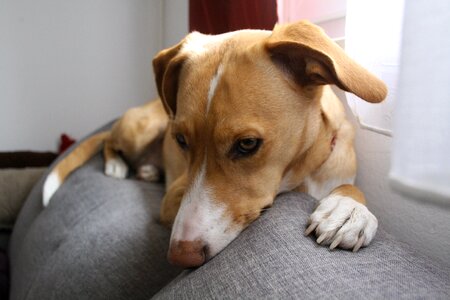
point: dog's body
(134, 141)
(251, 116)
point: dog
(252, 115)
(134, 141)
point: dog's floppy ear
(312, 58)
(167, 66)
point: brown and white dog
(135, 140)
(252, 115)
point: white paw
(148, 173)
(342, 222)
(116, 167)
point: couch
(100, 239)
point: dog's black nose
(187, 254)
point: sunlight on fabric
(372, 38)
(421, 156)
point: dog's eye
(181, 140)
(246, 147)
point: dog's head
(244, 106)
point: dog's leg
(342, 219)
(148, 173)
(172, 201)
(115, 166)
(150, 166)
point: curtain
(373, 34)
(421, 147)
(219, 16)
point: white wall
(175, 21)
(70, 66)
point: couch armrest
(99, 238)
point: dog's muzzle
(187, 254)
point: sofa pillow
(99, 238)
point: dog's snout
(187, 254)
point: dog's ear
(167, 66)
(312, 58)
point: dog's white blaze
(320, 190)
(52, 183)
(202, 218)
(213, 86)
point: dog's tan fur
(269, 85)
(136, 137)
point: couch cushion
(99, 238)
(272, 259)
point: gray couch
(100, 239)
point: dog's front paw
(116, 167)
(341, 221)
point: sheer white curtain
(373, 38)
(421, 148)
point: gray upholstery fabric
(273, 260)
(100, 239)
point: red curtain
(219, 16)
